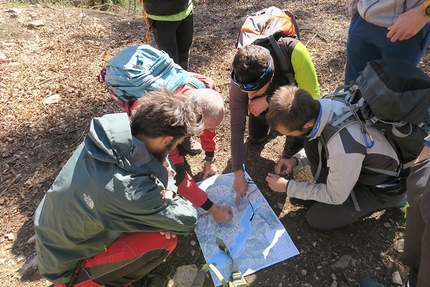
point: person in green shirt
(255, 76)
(172, 24)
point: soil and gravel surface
(50, 57)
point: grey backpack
(394, 96)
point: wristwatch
(427, 7)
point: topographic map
(255, 237)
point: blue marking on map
(220, 258)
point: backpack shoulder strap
(236, 279)
(294, 21)
(196, 83)
(283, 47)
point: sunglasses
(251, 86)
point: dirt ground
(50, 57)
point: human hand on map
(168, 235)
(209, 168)
(276, 182)
(240, 185)
(221, 213)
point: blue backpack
(140, 68)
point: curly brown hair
(165, 113)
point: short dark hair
(291, 107)
(250, 62)
(164, 113)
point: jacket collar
(324, 116)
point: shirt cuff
(207, 205)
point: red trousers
(127, 259)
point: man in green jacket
(116, 192)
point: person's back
(172, 24)
(115, 183)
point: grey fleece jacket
(382, 12)
(346, 156)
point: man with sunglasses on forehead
(256, 74)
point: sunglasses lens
(251, 86)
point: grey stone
(184, 276)
(396, 279)
(343, 262)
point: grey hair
(210, 101)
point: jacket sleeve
(239, 111)
(344, 171)
(208, 140)
(189, 189)
(304, 70)
(146, 210)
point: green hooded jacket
(109, 186)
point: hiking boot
(192, 146)
(368, 282)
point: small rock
(387, 225)
(32, 239)
(343, 262)
(52, 99)
(21, 257)
(304, 272)
(334, 283)
(182, 276)
(333, 276)
(2, 260)
(192, 242)
(24, 269)
(2, 56)
(10, 236)
(36, 23)
(399, 245)
(193, 252)
(396, 279)
(292, 214)
(314, 244)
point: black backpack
(392, 95)
(276, 30)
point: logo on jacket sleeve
(89, 201)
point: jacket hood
(109, 139)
